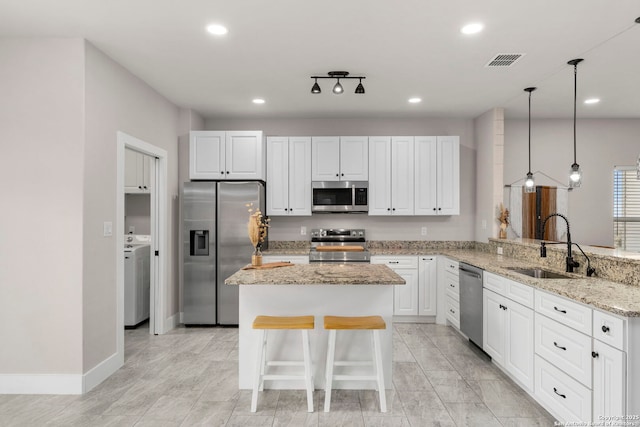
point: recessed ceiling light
(217, 29)
(415, 100)
(258, 101)
(473, 28)
(592, 101)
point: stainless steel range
(338, 245)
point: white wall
(379, 228)
(601, 145)
(116, 100)
(41, 182)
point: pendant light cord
(529, 131)
(575, 100)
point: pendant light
(338, 89)
(529, 183)
(575, 174)
(316, 87)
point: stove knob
(323, 233)
(360, 233)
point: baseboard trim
(41, 383)
(171, 322)
(101, 372)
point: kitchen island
(357, 289)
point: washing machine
(137, 281)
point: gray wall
(137, 213)
(379, 228)
(601, 145)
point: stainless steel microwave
(340, 196)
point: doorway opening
(156, 159)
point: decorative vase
(256, 258)
(503, 234)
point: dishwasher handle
(470, 273)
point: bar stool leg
(379, 370)
(263, 365)
(329, 371)
(307, 369)
(257, 382)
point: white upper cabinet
(137, 170)
(391, 175)
(226, 155)
(288, 176)
(437, 163)
(339, 158)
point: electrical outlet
(423, 231)
(132, 229)
(484, 224)
(499, 250)
(107, 229)
(303, 231)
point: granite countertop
(613, 297)
(318, 274)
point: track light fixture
(529, 183)
(337, 88)
(575, 174)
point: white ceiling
(405, 48)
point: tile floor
(189, 378)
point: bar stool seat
(266, 323)
(364, 323)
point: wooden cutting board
(339, 248)
(268, 265)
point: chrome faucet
(571, 263)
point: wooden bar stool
(372, 323)
(266, 323)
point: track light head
(316, 87)
(338, 89)
(360, 88)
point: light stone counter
(319, 274)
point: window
(626, 208)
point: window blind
(626, 209)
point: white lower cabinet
(508, 336)
(405, 297)
(427, 277)
(561, 394)
(609, 385)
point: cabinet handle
(503, 307)
(394, 262)
(594, 355)
(560, 347)
(221, 172)
(452, 285)
(555, 390)
(227, 172)
(427, 259)
(452, 311)
(605, 329)
(145, 187)
(393, 209)
(452, 266)
(388, 209)
(434, 209)
(337, 175)
(341, 174)
(439, 209)
(561, 311)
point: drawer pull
(561, 311)
(452, 266)
(503, 307)
(452, 285)
(594, 355)
(605, 329)
(557, 346)
(394, 262)
(452, 311)
(555, 390)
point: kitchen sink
(539, 273)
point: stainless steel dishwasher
(471, 302)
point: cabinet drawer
(563, 395)
(451, 286)
(567, 349)
(396, 262)
(608, 329)
(452, 307)
(293, 259)
(450, 266)
(494, 283)
(564, 311)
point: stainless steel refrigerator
(216, 245)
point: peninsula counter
(357, 289)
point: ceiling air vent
(502, 60)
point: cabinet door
(131, 171)
(244, 155)
(300, 176)
(325, 155)
(494, 326)
(405, 297)
(354, 158)
(277, 176)
(402, 177)
(609, 381)
(147, 169)
(426, 173)
(519, 343)
(448, 175)
(380, 175)
(427, 286)
(207, 155)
